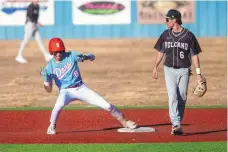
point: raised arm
(85, 56)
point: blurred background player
(63, 68)
(31, 30)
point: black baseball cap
(174, 14)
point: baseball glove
(201, 88)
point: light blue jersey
(66, 73)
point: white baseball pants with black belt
(177, 81)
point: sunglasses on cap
(59, 52)
(168, 19)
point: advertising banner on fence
(153, 12)
(101, 12)
(13, 12)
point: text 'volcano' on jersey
(176, 44)
(61, 72)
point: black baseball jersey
(32, 13)
(178, 48)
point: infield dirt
(121, 73)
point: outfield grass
(119, 107)
(154, 147)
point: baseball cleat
(51, 130)
(129, 124)
(176, 130)
(20, 59)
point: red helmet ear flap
(56, 45)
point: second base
(139, 129)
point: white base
(139, 129)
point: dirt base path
(97, 126)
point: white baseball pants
(177, 81)
(82, 93)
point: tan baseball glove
(201, 88)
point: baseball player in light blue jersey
(64, 70)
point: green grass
(120, 107)
(154, 147)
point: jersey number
(181, 54)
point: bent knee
(112, 108)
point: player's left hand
(201, 87)
(91, 57)
(81, 57)
(88, 56)
(199, 77)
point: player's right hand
(86, 56)
(43, 73)
(155, 73)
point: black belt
(176, 67)
(77, 85)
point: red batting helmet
(56, 45)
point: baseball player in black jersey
(31, 30)
(180, 48)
